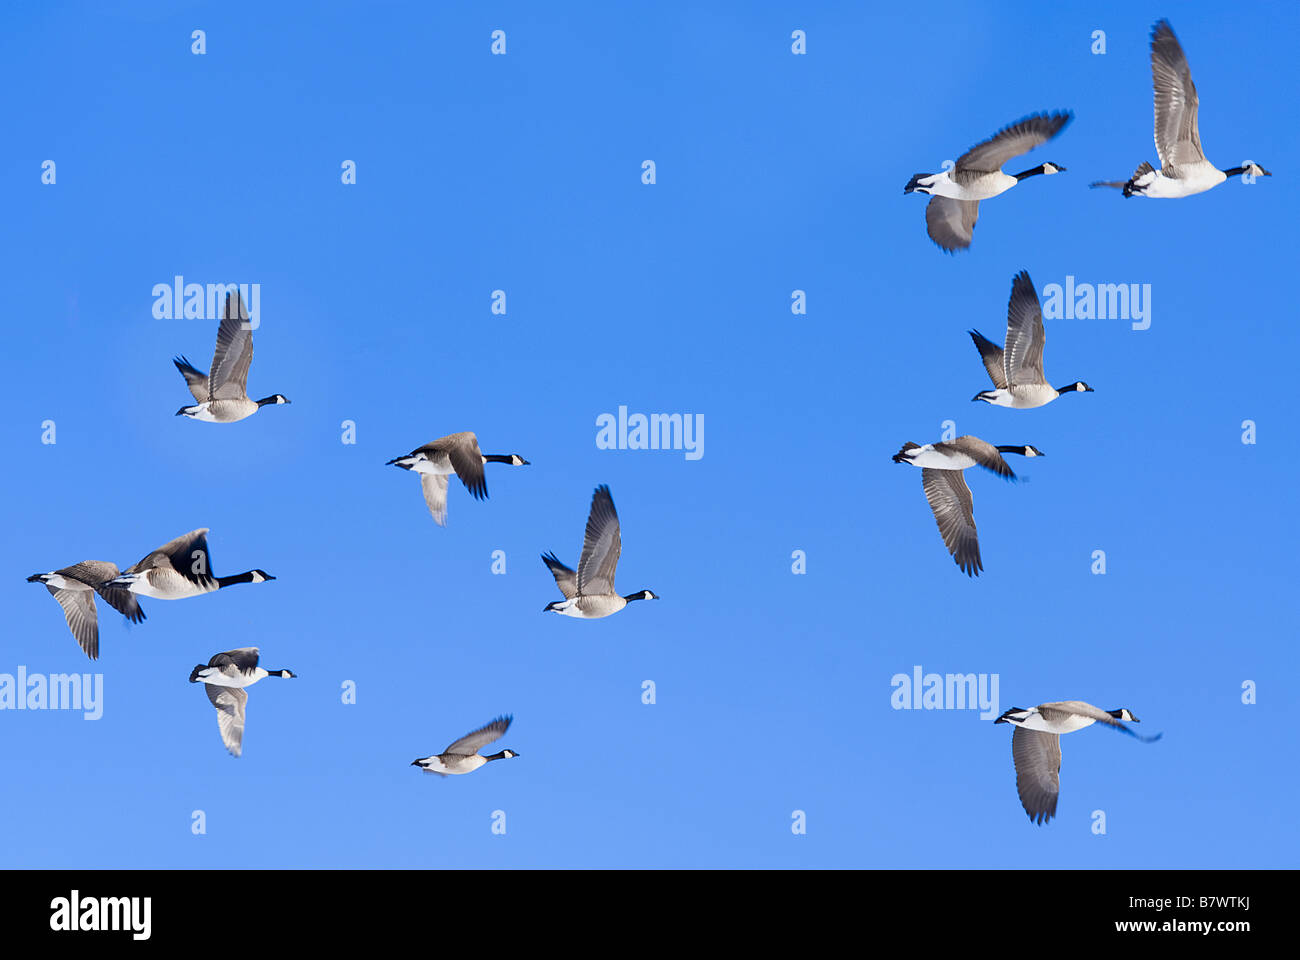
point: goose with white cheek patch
(1036, 747)
(589, 592)
(222, 394)
(456, 454)
(180, 569)
(463, 756)
(1184, 171)
(945, 488)
(224, 678)
(1017, 369)
(956, 193)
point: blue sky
(522, 172)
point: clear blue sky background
(775, 173)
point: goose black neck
(236, 578)
(497, 756)
(1030, 173)
(1019, 450)
(265, 400)
(639, 595)
(1234, 172)
(498, 458)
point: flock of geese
(181, 568)
(1016, 368)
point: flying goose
(945, 488)
(180, 568)
(1183, 167)
(221, 394)
(458, 454)
(463, 756)
(1017, 370)
(956, 193)
(1036, 747)
(589, 592)
(75, 588)
(224, 678)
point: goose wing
(472, 742)
(981, 451)
(951, 223)
(234, 353)
(195, 379)
(466, 459)
(123, 601)
(1037, 756)
(243, 660)
(991, 354)
(1025, 334)
(79, 611)
(600, 547)
(434, 486)
(1178, 141)
(97, 573)
(954, 512)
(565, 577)
(230, 703)
(187, 555)
(1011, 141)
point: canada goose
(224, 678)
(456, 453)
(1036, 747)
(75, 588)
(181, 568)
(956, 193)
(945, 488)
(221, 394)
(463, 756)
(1183, 167)
(589, 592)
(1017, 370)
